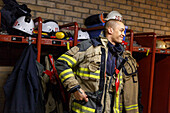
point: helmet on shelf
(160, 44)
(114, 15)
(50, 26)
(24, 24)
(83, 35)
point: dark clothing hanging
(22, 86)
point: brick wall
(139, 15)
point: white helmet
(24, 24)
(114, 15)
(50, 26)
(83, 35)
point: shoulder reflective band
(70, 60)
(66, 74)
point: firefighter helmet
(114, 15)
(83, 35)
(24, 24)
(50, 26)
(160, 44)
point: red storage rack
(146, 66)
(161, 87)
(39, 41)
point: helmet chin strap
(27, 19)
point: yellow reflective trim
(67, 76)
(116, 101)
(64, 72)
(77, 110)
(131, 107)
(86, 69)
(66, 61)
(70, 58)
(88, 75)
(84, 107)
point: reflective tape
(131, 107)
(76, 107)
(70, 60)
(85, 72)
(66, 74)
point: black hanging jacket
(22, 86)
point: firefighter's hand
(80, 95)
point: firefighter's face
(117, 33)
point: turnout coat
(84, 66)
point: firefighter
(99, 74)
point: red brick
(160, 13)
(145, 6)
(73, 2)
(125, 7)
(105, 8)
(165, 28)
(138, 9)
(167, 33)
(36, 8)
(161, 23)
(143, 25)
(78, 20)
(168, 15)
(45, 15)
(85, 0)
(95, 12)
(85, 15)
(166, 10)
(150, 11)
(120, 1)
(150, 21)
(162, 5)
(159, 32)
(101, 2)
(142, 1)
(131, 23)
(89, 5)
(151, 2)
(74, 14)
(156, 8)
(144, 15)
(165, 19)
(148, 30)
(138, 19)
(120, 11)
(46, 3)
(61, 1)
(168, 24)
(132, 13)
(155, 26)
(27, 1)
(134, 28)
(83, 10)
(63, 18)
(55, 11)
(156, 17)
(64, 6)
(115, 5)
(126, 17)
(133, 3)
